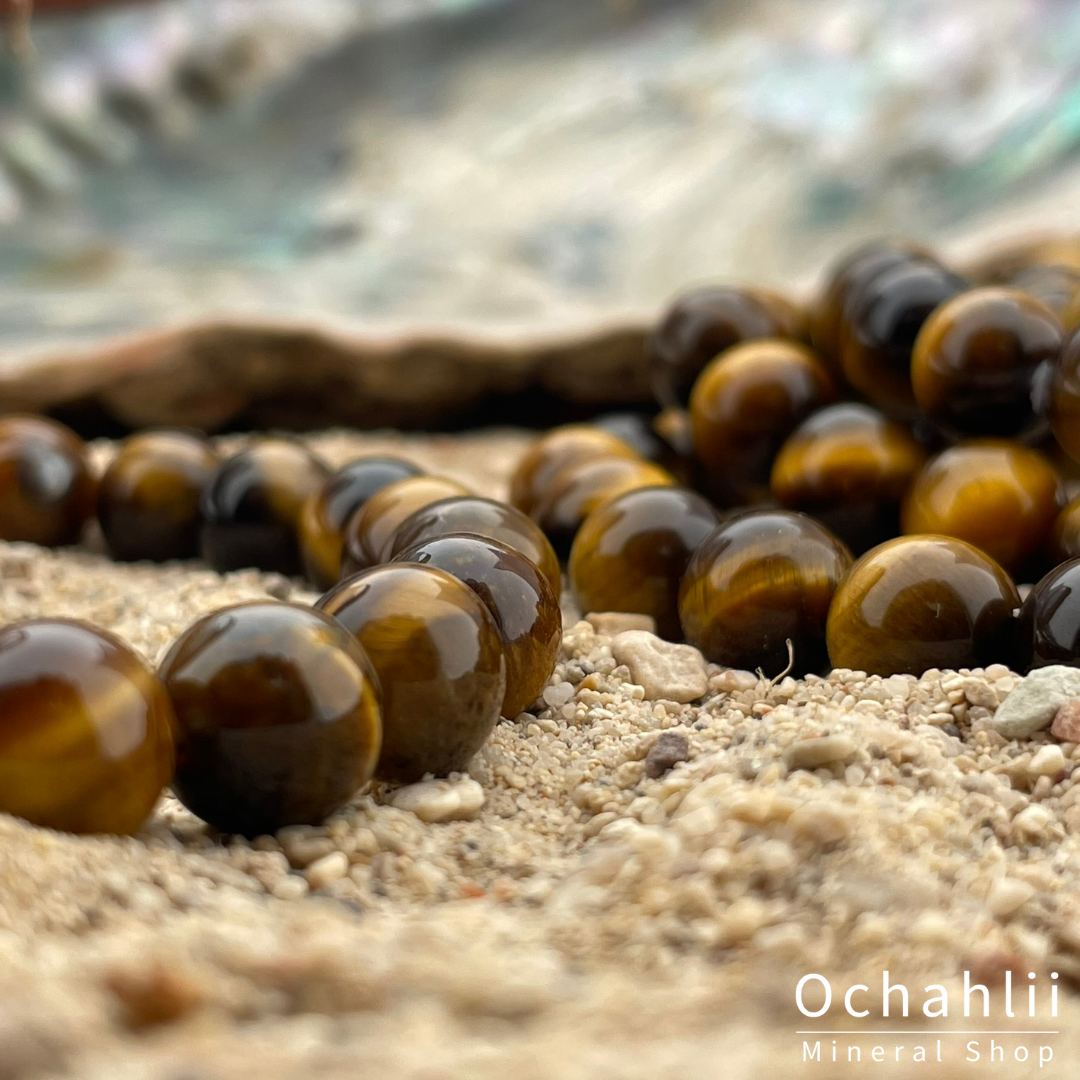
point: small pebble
(664, 670)
(610, 623)
(1048, 761)
(440, 800)
(328, 868)
(1066, 724)
(812, 753)
(666, 753)
(1007, 896)
(1033, 703)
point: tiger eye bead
(46, 488)
(848, 466)
(999, 496)
(1050, 619)
(277, 716)
(86, 740)
(881, 323)
(251, 506)
(845, 278)
(1065, 535)
(482, 517)
(325, 513)
(579, 489)
(744, 405)
(553, 452)
(370, 532)
(1065, 397)
(631, 553)
(983, 363)
(439, 658)
(519, 598)
(705, 322)
(762, 578)
(1055, 286)
(919, 602)
(148, 499)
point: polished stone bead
(326, 512)
(637, 431)
(580, 488)
(743, 407)
(483, 517)
(881, 323)
(920, 602)
(983, 363)
(86, 742)
(631, 553)
(763, 578)
(553, 452)
(148, 500)
(277, 716)
(703, 323)
(1050, 619)
(519, 597)
(848, 465)
(1055, 286)
(1065, 397)
(998, 495)
(1065, 535)
(845, 278)
(251, 506)
(370, 532)
(439, 657)
(47, 491)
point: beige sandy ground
(589, 922)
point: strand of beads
(858, 484)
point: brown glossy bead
(746, 403)
(881, 323)
(919, 602)
(580, 488)
(482, 517)
(763, 578)
(983, 362)
(1056, 286)
(637, 431)
(251, 506)
(1050, 619)
(86, 740)
(277, 716)
(848, 466)
(1065, 397)
(703, 323)
(849, 274)
(1065, 535)
(148, 499)
(370, 532)
(631, 553)
(519, 598)
(1000, 496)
(46, 488)
(439, 658)
(326, 512)
(553, 452)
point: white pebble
(821, 822)
(663, 669)
(292, 887)
(1048, 761)
(1007, 896)
(812, 753)
(1033, 703)
(610, 623)
(557, 696)
(441, 800)
(328, 868)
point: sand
(588, 921)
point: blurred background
(537, 163)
